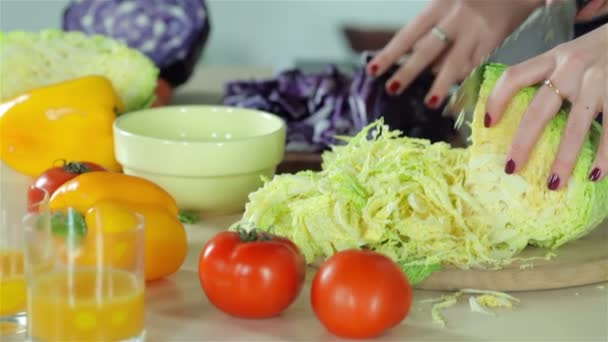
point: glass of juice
(94, 290)
(13, 303)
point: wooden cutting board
(298, 161)
(580, 262)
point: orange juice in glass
(13, 302)
(95, 289)
(12, 284)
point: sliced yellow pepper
(71, 120)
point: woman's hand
(470, 29)
(579, 71)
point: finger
(439, 63)
(482, 51)
(451, 72)
(513, 79)
(590, 10)
(600, 165)
(465, 69)
(404, 39)
(540, 111)
(426, 51)
(580, 118)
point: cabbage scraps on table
(430, 205)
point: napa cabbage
(430, 205)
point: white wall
(269, 32)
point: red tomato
(251, 275)
(54, 177)
(360, 294)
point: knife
(544, 29)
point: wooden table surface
(177, 310)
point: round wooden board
(580, 262)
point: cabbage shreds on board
(430, 205)
(400, 196)
(31, 60)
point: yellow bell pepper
(107, 206)
(114, 228)
(164, 241)
(71, 120)
(83, 191)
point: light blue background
(261, 32)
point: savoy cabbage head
(30, 60)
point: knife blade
(543, 30)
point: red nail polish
(373, 69)
(595, 174)
(432, 102)
(510, 167)
(487, 120)
(394, 86)
(553, 182)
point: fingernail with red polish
(373, 69)
(394, 87)
(432, 102)
(553, 182)
(510, 166)
(595, 174)
(487, 120)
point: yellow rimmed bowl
(209, 158)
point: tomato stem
(76, 167)
(253, 235)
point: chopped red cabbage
(406, 112)
(319, 106)
(312, 104)
(172, 33)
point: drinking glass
(13, 303)
(85, 275)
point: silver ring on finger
(551, 86)
(439, 33)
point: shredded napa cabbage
(399, 196)
(430, 205)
